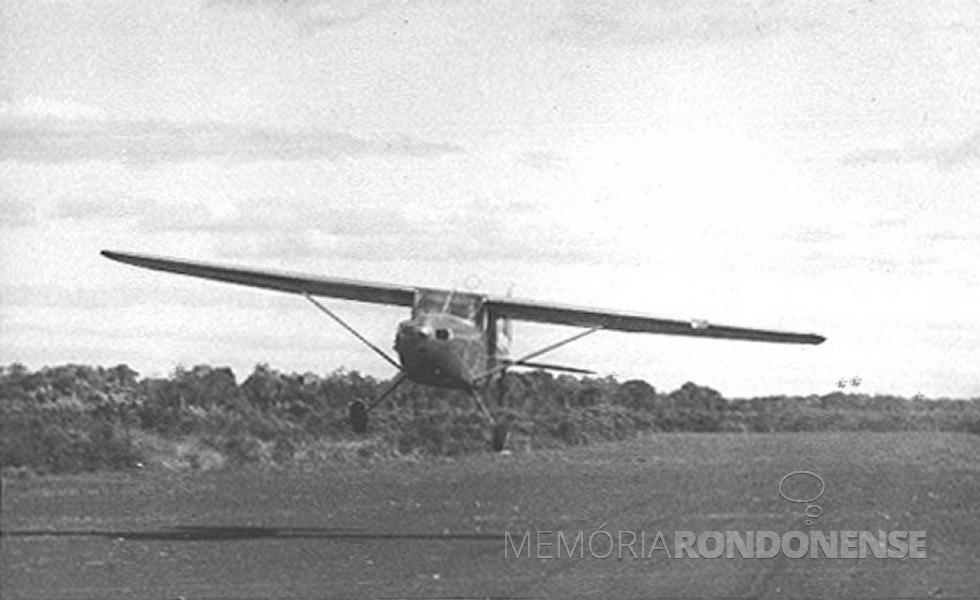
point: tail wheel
(358, 416)
(499, 437)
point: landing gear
(358, 416)
(501, 388)
(498, 430)
(499, 437)
(357, 412)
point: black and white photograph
(489, 299)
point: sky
(807, 166)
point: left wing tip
(111, 254)
(126, 257)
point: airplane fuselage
(442, 350)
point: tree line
(73, 418)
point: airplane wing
(380, 293)
(587, 317)
(377, 293)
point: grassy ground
(431, 526)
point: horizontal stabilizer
(547, 367)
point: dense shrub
(442, 433)
(60, 443)
(74, 418)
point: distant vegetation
(76, 418)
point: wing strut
(391, 388)
(353, 332)
(526, 357)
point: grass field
(435, 527)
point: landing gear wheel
(499, 437)
(358, 416)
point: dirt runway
(436, 527)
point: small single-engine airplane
(455, 339)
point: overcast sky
(810, 166)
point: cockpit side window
(443, 334)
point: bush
(41, 443)
(75, 418)
(240, 448)
(442, 434)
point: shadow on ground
(206, 533)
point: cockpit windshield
(460, 304)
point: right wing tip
(812, 339)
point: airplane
(456, 340)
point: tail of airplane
(505, 332)
(504, 337)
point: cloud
(945, 156)
(15, 212)
(150, 215)
(866, 263)
(298, 229)
(266, 215)
(887, 223)
(464, 233)
(35, 107)
(148, 143)
(112, 207)
(593, 22)
(56, 295)
(265, 225)
(542, 160)
(948, 235)
(815, 236)
(273, 245)
(315, 14)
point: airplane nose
(415, 331)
